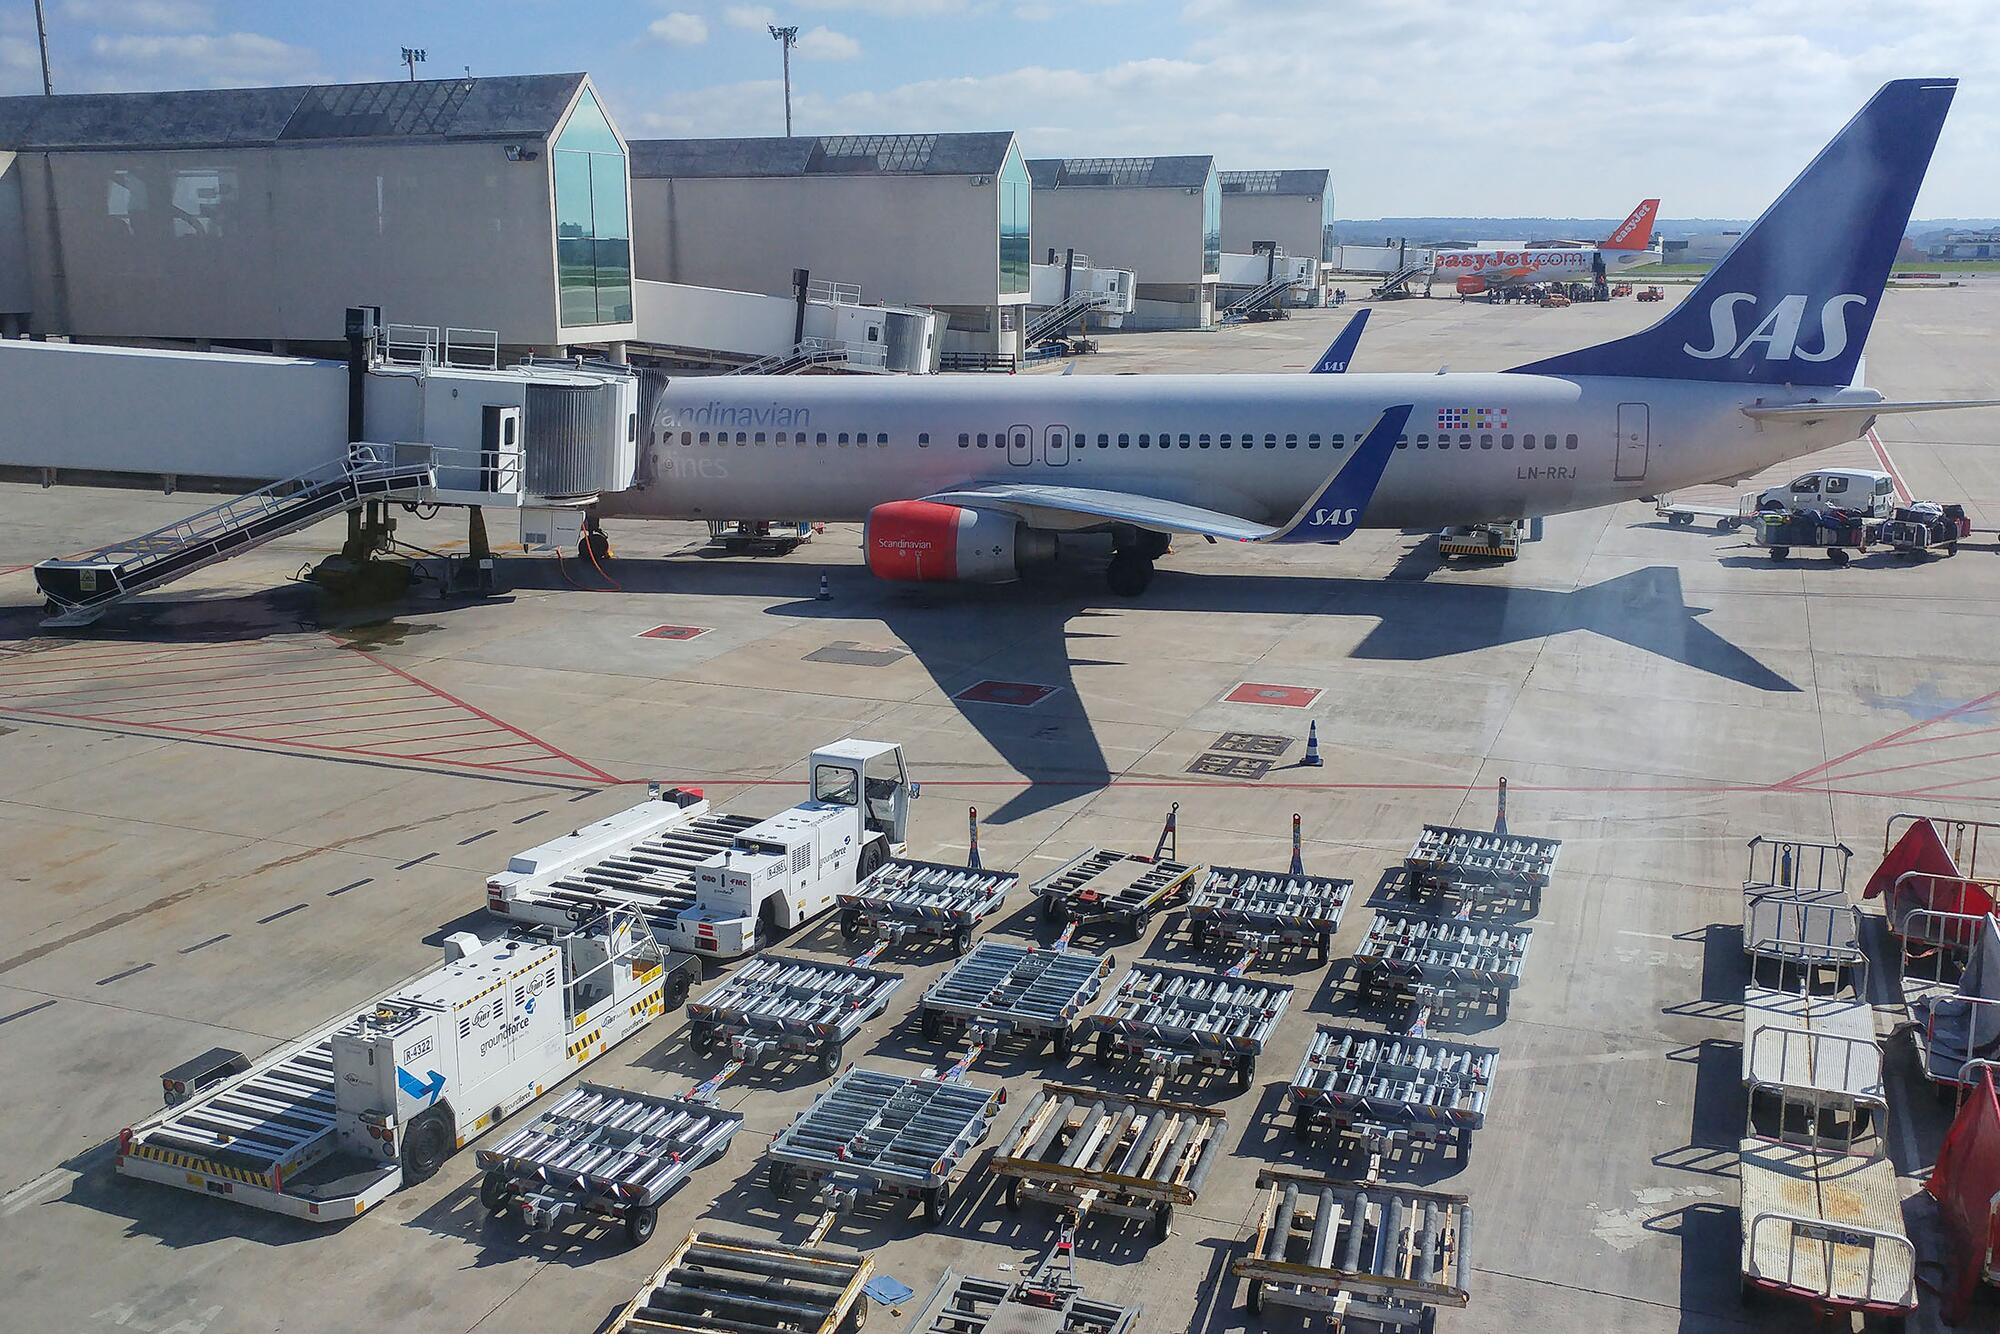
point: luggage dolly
(912, 898)
(1003, 988)
(1384, 1089)
(1438, 962)
(720, 1280)
(1168, 1020)
(1100, 885)
(775, 1004)
(1260, 911)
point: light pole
(413, 56)
(789, 38)
(42, 34)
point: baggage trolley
(748, 1285)
(774, 1004)
(1383, 1089)
(1169, 1019)
(1441, 960)
(910, 898)
(1237, 910)
(1003, 988)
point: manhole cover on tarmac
(850, 654)
(1018, 694)
(1284, 697)
(1215, 765)
(1251, 743)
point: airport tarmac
(228, 812)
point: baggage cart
(1383, 1089)
(1441, 960)
(1086, 1151)
(1122, 888)
(1935, 948)
(873, 1133)
(971, 1305)
(604, 1153)
(911, 898)
(1383, 1253)
(1834, 532)
(1725, 518)
(1800, 867)
(1811, 1043)
(1003, 988)
(1236, 910)
(776, 1004)
(1170, 1019)
(1809, 931)
(1446, 860)
(720, 1281)
(1914, 534)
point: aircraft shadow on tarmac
(1043, 630)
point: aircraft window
(760, 437)
(1485, 442)
(964, 440)
(1464, 441)
(1402, 442)
(1338, 440)
(1124, 440)
(704, 437)
(1291, 442)
(1056, 439)
(1835, 485)
(1204, 441)
(1569, 442)
(881, 437)
(687, 438)
(1145, 440)
(1423, 440)
(821, 439)
(1312, 441)
(1223, 439)
(1270, 441)
(1184, 441)
(923, 437)
(843, 437)
(783, 436)
(1507, 441)
(1103, 440)
(742, 437)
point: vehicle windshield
(835, 784)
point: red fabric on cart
(1921, 849)
(1964, 1183)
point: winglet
(1336, 511)
(1341, 351)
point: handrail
(1956, 845)
(1802, 912)
(1831, 1235)
(1971, 1006)
(1782, 871)
(1934, 880)
(1949, 937)
(1872, 1096)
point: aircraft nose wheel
(1129, 574)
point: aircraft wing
(1333, 512)
(1812, 412)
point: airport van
(1872, 493)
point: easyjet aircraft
(977, 478)
(1478, 270)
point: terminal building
(1293, 208)
(936, 220)
(1159, 217)
(254, 217)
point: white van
(1872, 493)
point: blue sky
(1563, 107)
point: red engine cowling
(1471, 286)
(921, 541)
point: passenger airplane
(1486, 267)
(977, 478)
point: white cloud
(892, 8)
(823, 43)
(157, 15)
(679, 29)
(231, 59)
(754, 17)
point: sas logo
(1323, 518)
(1778, 332)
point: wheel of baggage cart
(1428, 1322)
(1836, 555)
(933, 1205)
(1163, 1221)
(1198, 932)
(426, 1144)
(1728, 525)
(640, 1220)
(933, 1024)
(493, 1192)
(1779, 553)
(1506, 997)
(1254, 1298)
(856, 1318)
(1011, 1196)
(850, 923)
(1246, 1066)
(1323, 945)
(1059, 1043)
(961, 941)
(828, 1058)
(780, 1180)
(1104, 1047)
(1680, 520)
(701, 1038)
(1052, 910)
(1464, 1145)
(1135, 925)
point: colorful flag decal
(1472, 419)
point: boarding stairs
(77, 589)
(813, 354)
(1241, 308)
(1397, 284)
(1052, 322)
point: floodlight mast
(788, 38)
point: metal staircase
(809, 353)
(1053, 321)
(78, 589)
(1241, 308)
(1397, 284)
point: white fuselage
(1504, 267)
(1254, 446)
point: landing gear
(1129, 573)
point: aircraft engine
(1471, 286)
(921, 541)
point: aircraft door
(1056, 446)
(1020, 445)
(1632, 443)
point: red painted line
(471, 750)
(1889, 465)
(1927, 740)
(1848, 777)
(14, 569)
(1945, 787)
(383, 727)
(1967, 707)
(138, 673)
(589, 769)
(428, 739)
(139, 652)
(220, 704)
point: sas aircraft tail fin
(1341, 350)
(1793, 300)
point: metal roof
(1315, 182)
(1187, 172)
(826, 155)
(504, 107)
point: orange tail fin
(1636, 232)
